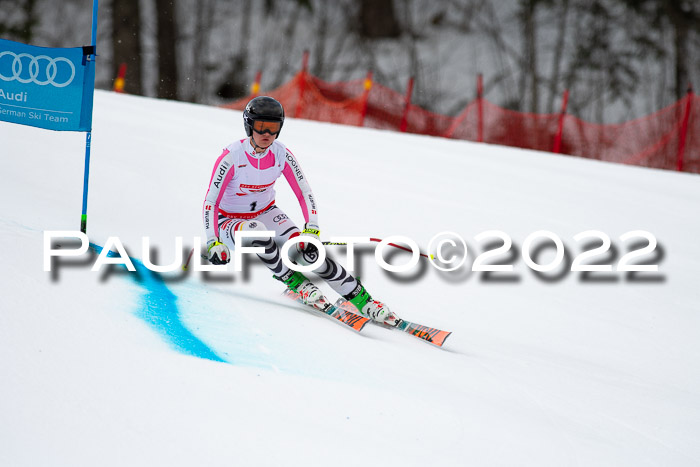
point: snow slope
(552, 369)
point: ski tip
(360, 327)
(439, 340)
(431, 335)
(436, 339)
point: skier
(241, 197)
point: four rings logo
(41, 70)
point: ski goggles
(271, 128)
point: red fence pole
(120, 80)
(684, 128)
(480, 108)
(256, 84)
(302, 84)
(560, 125)
(365, 97)
(404, 118)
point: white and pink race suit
(241, 196)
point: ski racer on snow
(241, 197)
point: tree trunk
(321, 38)
(681, 23)
(378, 20)
(558, 53)
(167, 49)
(30, 20)
(529, 62)
(289, 33)
(126, 43)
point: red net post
(404, 118)
(684, 128)
(560, 125)
(302, 84)
(480, 108)
(255, 88)
(120, 80)
(365, 97)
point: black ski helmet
(262, 108)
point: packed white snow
(542, 369)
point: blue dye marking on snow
(160, 312)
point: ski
(433, 336)
(347, 317)
(344, 312)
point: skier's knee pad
(304, 256)
(251, 226)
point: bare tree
(320, 47)
(199, 68)
(683, 17)
(528, 72)
(18, 19)
(236, 79)
(167, 48)
(378, 20)
(290, 31)
(126, 43)
(561, 10)
(489, 24)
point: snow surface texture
(118, 368)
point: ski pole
(187, 263)
(379, 240)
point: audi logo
(47, 65)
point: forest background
(619, 59)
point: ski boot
(308, 292)
(374, 309)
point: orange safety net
(668, 139)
